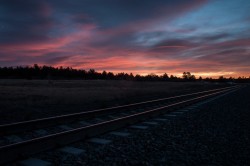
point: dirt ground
(28, 99)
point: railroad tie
(72, 150)
(99, 141)
(34, 161)
(121, 134)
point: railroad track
(49, 133)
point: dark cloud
(110, 13)
(56, 60)
(216, 37)
(23, 21)
(35, 21)
(175, 42)
(228, 57)
(234, 51)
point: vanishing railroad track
(25, 138)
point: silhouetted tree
(165, 77)
(188, 76)
(50, 73)
(104, 75)
(110, 75)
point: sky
(208, 38)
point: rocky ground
(216, 133)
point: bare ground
(24, 100)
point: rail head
(23, 126)
(13, 151)
(106, 109)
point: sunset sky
(206, 38)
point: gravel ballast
(215, 133)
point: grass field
(24, 99)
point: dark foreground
(217, 133)
(22, 100)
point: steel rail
(50, 121)
(16, 151)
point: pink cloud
(85, 46)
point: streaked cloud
(160, 36)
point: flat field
(29, 99)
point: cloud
(24, 21)
(117, 35)
(174, 43)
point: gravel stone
(215, 133)
(212, 133)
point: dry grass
(23, 100)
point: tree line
(51, 73)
